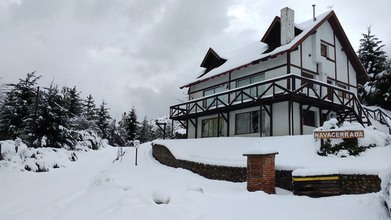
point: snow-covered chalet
(288, 83)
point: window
(247, 123)
(212, 127)
(323, 50)
(212, 91)
(309, 76)
(341, 93)
(309, 118)
(253, 90)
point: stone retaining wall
(359, 184)
(350, 184)
(233, 174)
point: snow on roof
(255, 51)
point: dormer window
(323, 50)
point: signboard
(136, 143)
(339, 134)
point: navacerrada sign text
(339, 134)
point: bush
(348, 147)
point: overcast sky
(137, 53)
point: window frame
(213, 130)
(213, 90)
(252, 79)
(324, 50)
(253, 116)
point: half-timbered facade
(288, 83)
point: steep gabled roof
(270, 47)
(211, 60)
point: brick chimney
(287, 25)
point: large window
(212, 127)
(247, 123)
(253, 79)
(212, 91)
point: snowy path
(96, 188)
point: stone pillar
(261, 174)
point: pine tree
(103, 120)
(72, 101)
(90, 110)
(16, 116)
(3, 89)
(128, 126)
(53, 124)
(374, 60)
(146, 131)
(132, 129)
(371, 54)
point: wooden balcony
(290, 87)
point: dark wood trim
(271, 120)
(301, 119)
(289, 117)
(196, 128)
(331, 60)
(305, 70)
(348, 72)
(228, 127)
(335, 57)
(218, 125)
(260, 120)
(288, 59)
(301, 56)
(327, 43)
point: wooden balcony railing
(288, 87)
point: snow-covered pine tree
(103, 120)
(146, 131)
(133, 125)
(374, 60)
(371, 54)
(53, 124)
(129, 126)
(90, 110)
(72, 101)
(16, 115)
(3, 91)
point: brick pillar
(261, 173)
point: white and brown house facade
(288, 83)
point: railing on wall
(379, 115)
(273, 90)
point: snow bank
(17, 155)
(34, 159)
(294, 152)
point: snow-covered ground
(95, 187)
(294, 152)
